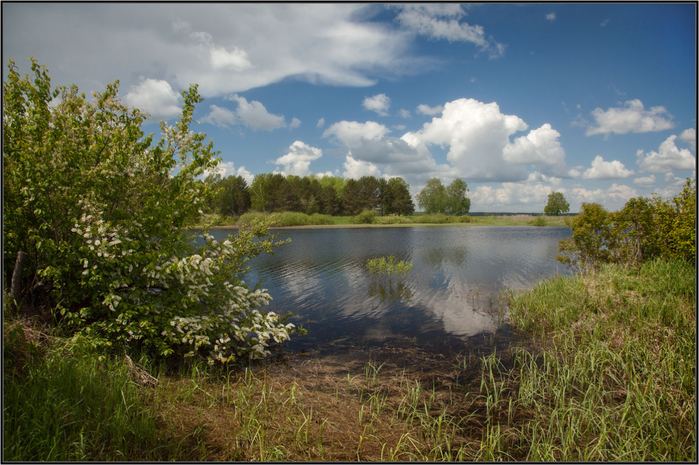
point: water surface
(450, 298)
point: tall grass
(77, 407)
(615, 379)
(287, 219)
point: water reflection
(451, 293)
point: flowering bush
(101, 213)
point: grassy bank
(294, 219)
(605, 372)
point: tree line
(331, 195)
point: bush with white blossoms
(102, 215)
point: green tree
(351, 198)
(101, 212)
(397, 197)
(457, 202)
(433, 197)
(557, 204)
(232, 196)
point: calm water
(449, 299)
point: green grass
(615, 378)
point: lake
(450, 302)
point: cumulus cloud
(689, 137)
(607, 170)
(667, 158)
(511, 197)
(221, 117)
(646, 182)
(613, 198)
(299, 158)
(225, 47)
(403, 113)
(427, 110)
(630, 117)
(442, 21)
(227, 168)
(476, 134)
(155, 97)
(540, 148)
(551, 17)
(321, 123)
(351, 133)
(251, 114)
(378, 103)
(355, 169)
(295, 122)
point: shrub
(644, 229)
(393, 219)
(538, 221)
(101, 214)
(465, 219)
(365, 217)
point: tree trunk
(17, 275)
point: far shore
(346, 223)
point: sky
(596, 100)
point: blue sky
(597, 101)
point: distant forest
(274, 192)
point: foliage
(397, 198)
(457, 202)
(232, 196)
(433, 197)
(101, 214)
(557, 204)
(538, 221)
(365, 217)
(452, 200)
(644, 229)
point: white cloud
(355, 169)
(225, 47)
(607, 170)
(632, 117)
(551, 17)
(378, 103)
(605, 22)
(539, 147)
(255, 116)
(221, 117)
(476, 134)
(427, 110)
(689, 137)
(441, 21)
(295, 122)
(155, 97)
(403, 113)
(646, 182)
(614, 198)
(298, 159)
(321, 123)
(511, 197)
(227, 168)
(399, 127)
(668, 157)
(351, 133)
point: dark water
(449, 300)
